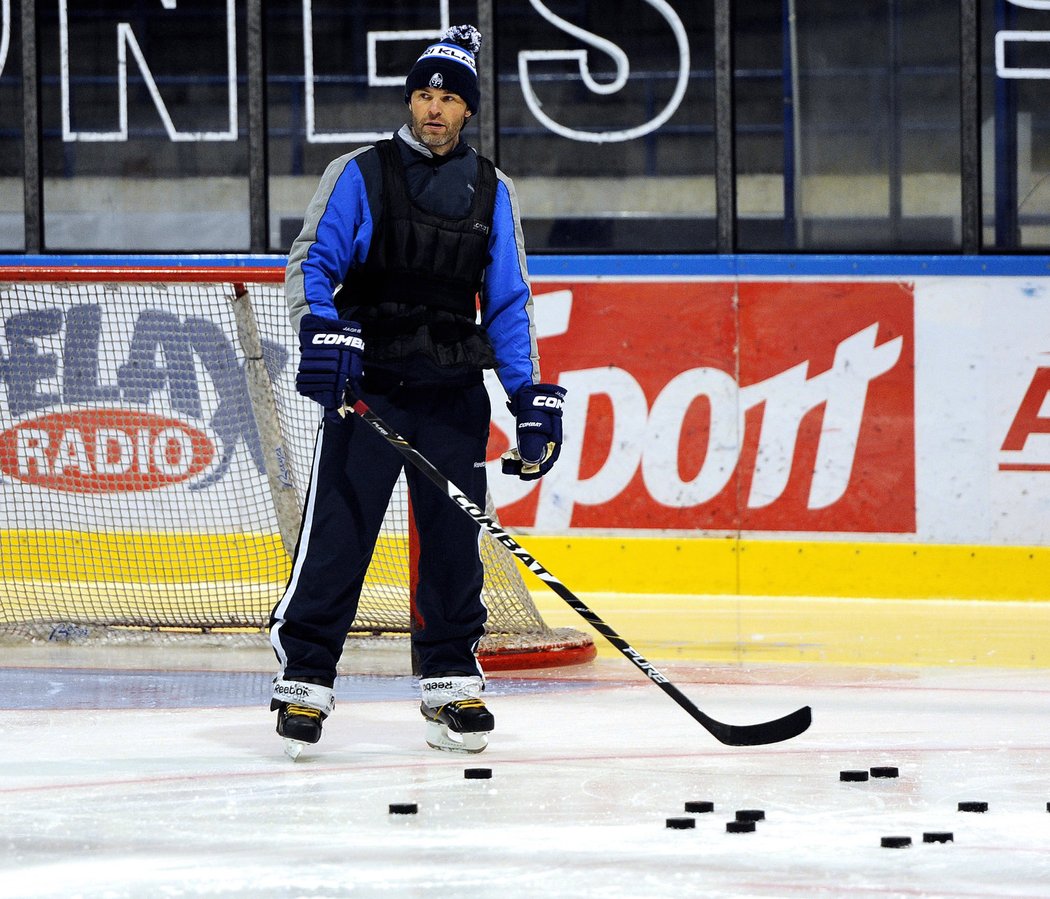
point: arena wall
(778, 428)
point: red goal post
(153, 454)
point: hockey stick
(731, 734)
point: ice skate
(457, 720)
(301, 708)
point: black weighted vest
(420, 259)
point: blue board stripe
(743, 265)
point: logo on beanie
(436, 80)
(450, 52)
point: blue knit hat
(449, 65)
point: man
(398, 244)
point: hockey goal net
(153, 456)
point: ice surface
(156, 781)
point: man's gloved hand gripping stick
(330, 355)
(537, 413)
(731, 734)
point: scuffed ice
(195, 797)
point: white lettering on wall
(1004, 38)
(128, 46)
(5, 31)
(791, 395)
(581, 59)
(664, 430)
(31, 451)
(126, 41)
(313, 136)
(630, 413)
(114, 451)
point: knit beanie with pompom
(449, 65)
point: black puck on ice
(885, 771)
(681, 823)
(853, 775)
(477, 773)
(703, 805)
(940, 836)
(895, 842)
(740, 826)
(973, 806)
(403, 808)
(750, 814)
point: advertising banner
(132, 401)
(842, 409)
(722, 406)
(983, 415)
(872, 408)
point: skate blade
(438, 737)
(293, 748)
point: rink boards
(810, 426)
(805, 427)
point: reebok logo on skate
(296, 692)
(438, 685)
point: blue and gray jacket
(400, 240)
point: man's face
(437, 117)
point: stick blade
(761, 734)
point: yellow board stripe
(754, 567)
(717, 566)
(719, 600)
(147, 556)
(763, 601)
(750, 631)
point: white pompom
(467, 36)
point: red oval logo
(104, 451)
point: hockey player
(398, 244)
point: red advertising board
(763, 406)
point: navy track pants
(354, 472)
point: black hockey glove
(537, 409)
(331, 353)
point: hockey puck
(403, 808)
(750, 814)
(853, 775)
(895, 842)
(703, 805)
(681, 823)
(740, 826)
(973, 806)
(885, 771)
(477, 773)
(940, 836)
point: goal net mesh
(153, 456)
